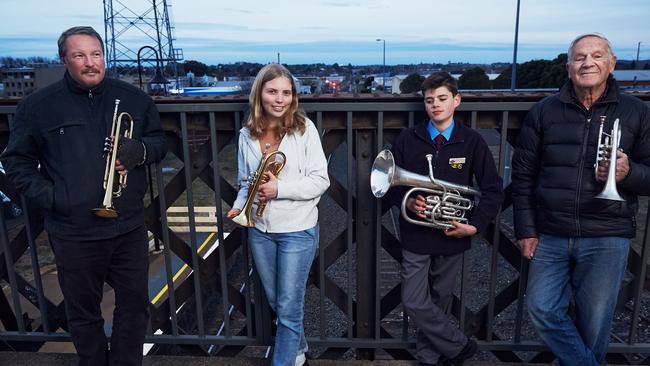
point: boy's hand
(417, 206)
(460, 230)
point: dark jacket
(410, 150)
(553, 180)
(55, 155)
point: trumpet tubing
(268, 163)
(111, 189)
(606, 150)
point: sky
(345, 31)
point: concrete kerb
(69, 359)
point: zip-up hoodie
(301, 183)
(463, 158)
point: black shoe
(467, 352)
(426, 364)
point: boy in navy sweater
(431, 257)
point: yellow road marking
(181, 270)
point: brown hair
(294, 119)
(438, 79)
(83, 30)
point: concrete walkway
(68, 359)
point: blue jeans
(283, 261)
(589, 272)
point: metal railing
(354, 291)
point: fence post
(365, 240)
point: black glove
(130, 153)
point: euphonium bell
(606, 149)
(444, 200)
(111, 188)
(268, 163)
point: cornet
(444, 202)
(268, 163)
(606, 149)
(111, 189)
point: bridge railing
(205, 295)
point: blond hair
(293, 120)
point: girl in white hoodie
(284, 239)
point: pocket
(61, 204)
(67, 141)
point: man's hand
(622, 167)
(527, 247)
(460, 230)
(129, 154)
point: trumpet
(112, 188)
(268, 163)
(445, 202)
(606, 149)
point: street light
(383, 79)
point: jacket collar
(567, 93)
(78, 89)
(457, 134)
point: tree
(196, 67)
(474, 78)
(367, 84)
(535, 74)
(411, 83)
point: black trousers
(83, 268)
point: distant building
(395, 82)
(491, 76)
(19, 82)
(633, 79)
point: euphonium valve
(272, 162)
(111, 187)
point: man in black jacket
(432, 257)
(56, 157)
(577, 243)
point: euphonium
(606, 149)
(112, 188)
(444, 202)
(268, 163)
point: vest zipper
(588, 115)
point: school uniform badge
(456, 163)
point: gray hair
(595, 35)
(84, 30)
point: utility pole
(638, 48)
(383, 79)
(513, 81)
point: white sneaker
(300, 359)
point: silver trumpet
(444, 202)
(607, 147)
